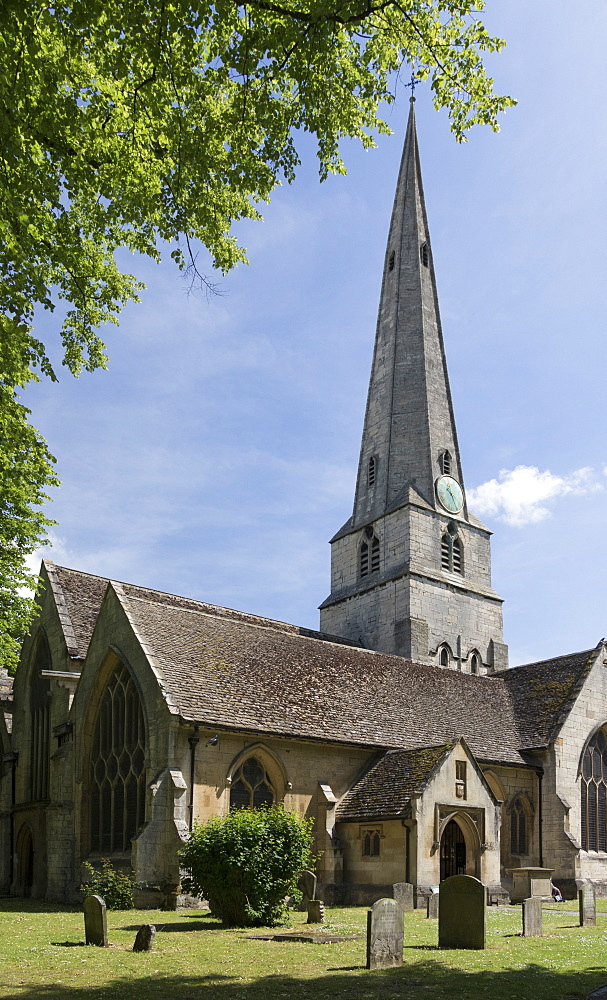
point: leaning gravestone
(403, 893)
(385, 934)
(306, 884)
(462, 914)
(587, 905)
(532, 916)
(432, 906)
(144, 940)
(316, 911)
(95, 921)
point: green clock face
(450, 494)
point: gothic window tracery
(594, 793)
(251, 787)
(117, 766)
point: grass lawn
(42, 957)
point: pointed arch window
(371, 841)
(391, 259)
(40, 723)
(118, 766)
(519, 824)
(424, 255)
(251, 787)
(372, 471)
(444, 657)
(475, 663)
(451, 553)
(594, 793)
(369, 554)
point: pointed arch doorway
(452, 851)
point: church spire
(409, 426)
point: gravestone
(403, 893)
(144, 940)
(587, 905)
(306, 884)
(432, 906)
(462, 913)
(532, 917)
(385, 934)
(95, 921)
(316, 911)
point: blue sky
(217, 455)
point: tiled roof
(385, 789)
(542, 693)
(227, 669)
(240, 672)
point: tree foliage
(159, 123)
(247, 862)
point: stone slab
(316, 911)
(532, 917)
(403, 893)
(95, 921)
(462, 914)
(385, 934)
(587, 904)
(144, 940)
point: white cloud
(56, 551)
(518, 496)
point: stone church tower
(411, 569)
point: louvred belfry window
(594, 794)
(251, 787)
(117, 767)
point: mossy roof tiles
(227, 669)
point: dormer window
(372, 471)
(445, 463)
(423, 253)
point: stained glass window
(117, 767)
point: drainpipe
(193, 740)
(540, 775)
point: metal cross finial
(413, 83)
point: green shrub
(247, 862)
(112, 885)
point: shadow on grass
(177, 925)
(418, 979)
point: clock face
(450, 494)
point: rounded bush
(246, 863)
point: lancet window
(423, 253)
(451, 553)
(251, 787)
(518, 828)
(118, 767)
(39, 714)
(594, 793)
(372, 471)
(371, 837)
(445, 463)
(369, 556)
